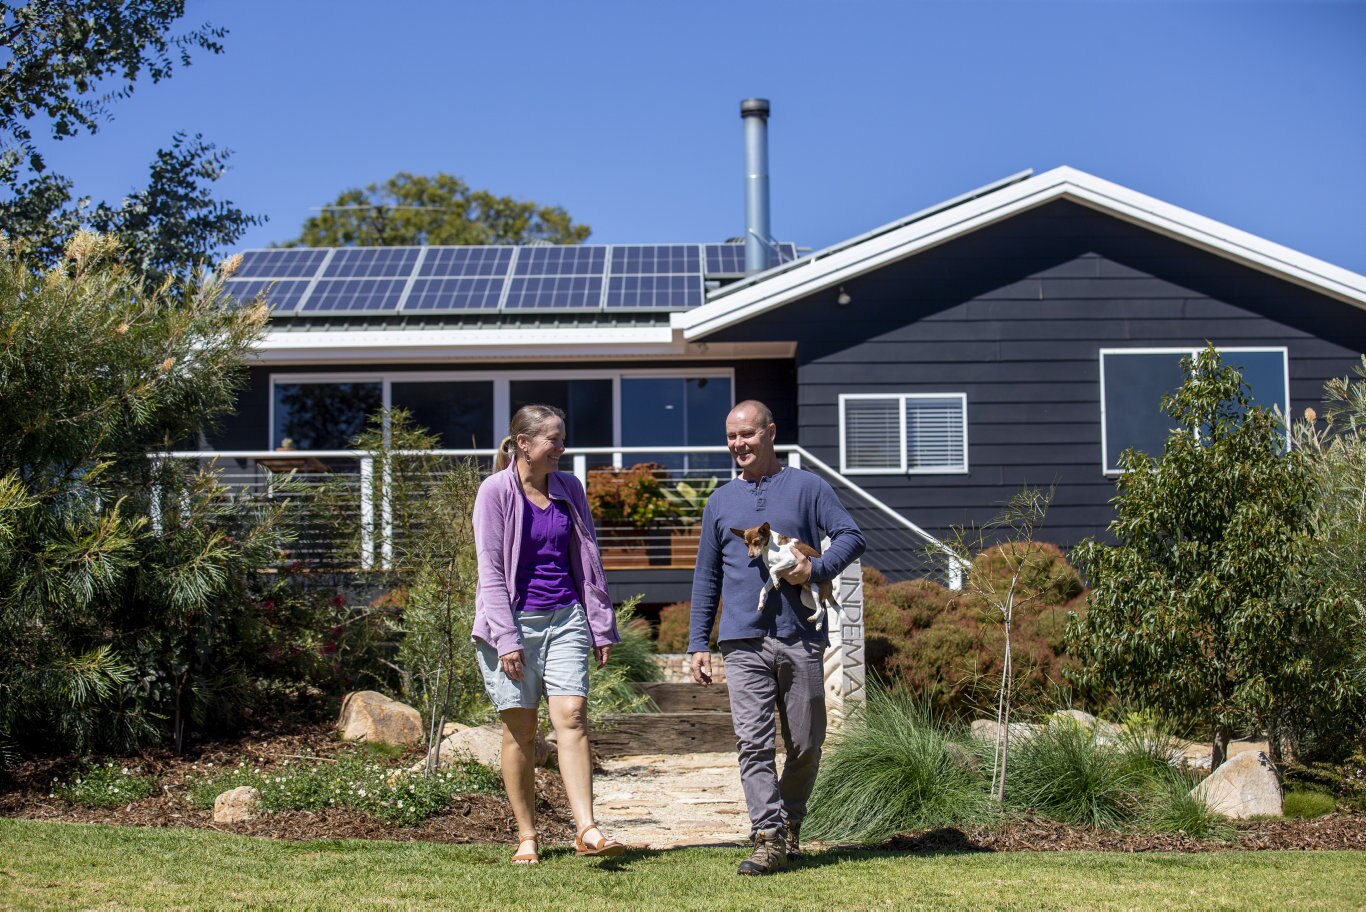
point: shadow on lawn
(943, 841)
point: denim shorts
(556, 645)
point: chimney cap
(754, 107)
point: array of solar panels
(331, 281)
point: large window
(586, 403)
(676, 411)
(912, 433)
(1133, 382)
(323, 415)
(458, 412)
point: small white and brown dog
(779, 554)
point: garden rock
(236, 805)
(988, 730)
(1245, 786)
(1106, 732)
(370, 716)
(483, 745)
(451, 728)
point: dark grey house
(1021, 334)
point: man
(774, 656)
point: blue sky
(627, 113)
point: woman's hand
(602, 652)
(512, 664)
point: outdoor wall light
(843, 299)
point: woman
(541, 605)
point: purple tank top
(544, 582)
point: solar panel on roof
(453, 262)
(729, 259)
(560, 261)
(453, 294)
(281, 294)
(353, 296)
(565, 292)
(656, 259)
(654, 292)
(280, 264)
(371, 262)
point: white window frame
(903, 468)
(501, 380)
(1183, 350)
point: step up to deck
(664, 733)
(676, 698)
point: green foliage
(1346, 780)
(105, 785)
(688, 499)
(395, 796)
(1063, 773)
(609, 688)
(891, 770)
(1307, 805)
(66, 62)
(1169, 807)
(634, 496)
(129, 589)
(1198, 612)
(411, 209)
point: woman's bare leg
(569, 716)
(519, 771)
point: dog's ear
(739, 532)
(764, 529)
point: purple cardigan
(498, 522)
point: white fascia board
(503, 344)
(821, 273)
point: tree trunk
(1219, 751)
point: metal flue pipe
(758, 240)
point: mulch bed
(469, 819)
(487, 818)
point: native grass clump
(130, 588)
(1206, 611)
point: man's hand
(701, 668)
(603, 652)
(512, 664)
(800, 572)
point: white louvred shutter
(934, 434)
(872, 433)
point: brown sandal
(606, 848)
(527, 858)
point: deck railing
(353, 524)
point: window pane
(676, 411)
(1264, 373)
(323, 416)
(1134, 387)
(872, 433)
(460, 413)
(934, 434)
(587, 406)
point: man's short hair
(763, 412)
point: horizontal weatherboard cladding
(1014, 316)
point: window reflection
(323, 416)
(676, 411)
(459, 413)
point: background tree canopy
(67, 62)
(409, 209)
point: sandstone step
(663, 733)
(674, 698)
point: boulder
(451, 728)
(370, 716)
(236, 805)
(1244, 786)
(1106, 732)
(483, 745)
(988, 730)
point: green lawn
(66, 866)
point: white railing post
(155, 508)
(957, 568)
(367, 513)
(581, 469)
(386, 512)
(616, 459)
(794, 459)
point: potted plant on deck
(628, 505)
(687, 499)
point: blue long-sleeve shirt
(793, 502)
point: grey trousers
(788, 674)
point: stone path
(666, 800)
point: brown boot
(794, 845)
(769, 855)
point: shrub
(674, 625)
(1306, 805)
(1047, 575)
(1346, 781)
(105, 785)
(1065, 775)
(610, 687)
(920, 601)
(893, 769)
(1167, 806)
(395, 796)
(633, 496)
